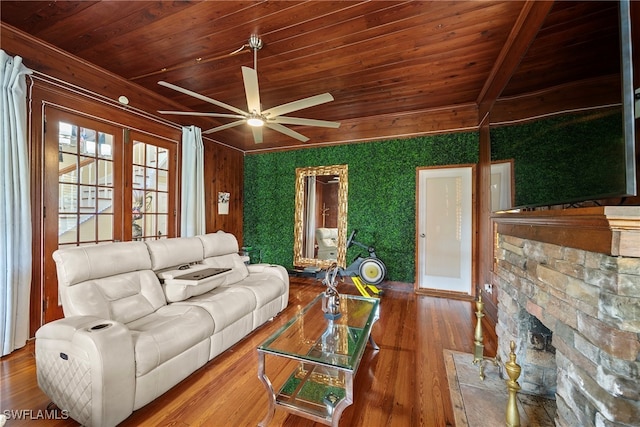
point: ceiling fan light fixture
(255, 121)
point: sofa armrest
(86, 365)
(277, 270)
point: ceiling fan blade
(203, 98)
(305, 122)
(287, 131)
(223, 127)
(195, 113)
(252, 91)
(257, 134)
(298, 105)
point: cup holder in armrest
(99, 327)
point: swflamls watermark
(33, 414)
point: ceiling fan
(255, 117)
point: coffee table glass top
(339, 343)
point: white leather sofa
(133, 328)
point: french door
(152, 171)
(101, 183)
(445, 229)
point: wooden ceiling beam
(525, 29)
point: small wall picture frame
(223, 203)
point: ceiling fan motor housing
(255, 42)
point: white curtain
(15, 210)
(192, 214)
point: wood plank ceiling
(395, 68)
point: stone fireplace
(569, 296)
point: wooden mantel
(611, 230)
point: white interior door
(445, 222)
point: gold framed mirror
(320, 229)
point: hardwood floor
(402, 384)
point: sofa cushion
(266, 287)
(166, 333)
(122, 297)
(111, 280)
(221, 250)
(225, 304)
(80, 263)
(168, 253)
(219, 243)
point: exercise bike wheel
(372, 271)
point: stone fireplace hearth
(577, 272)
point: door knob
(422, 235)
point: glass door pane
(85, 184)
(152, 189)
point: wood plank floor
(402, 384)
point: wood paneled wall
(69, 83)
(224, 172)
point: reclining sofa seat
(265, 286)
(126, 338)
(118, 335)
(238, 301)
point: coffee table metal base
(292, 402)
(324, 355)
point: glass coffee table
(325, 355)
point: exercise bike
(367, 272)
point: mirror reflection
(501, 185)
(321, 216)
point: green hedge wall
(381, 195)
(557, 160)
(564, 159)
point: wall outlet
(488, 288)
